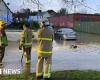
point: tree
(62, 11)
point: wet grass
(60, 75)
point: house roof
(51, 12)
(42, 13)
(85, 14)
(46, 12)
(75, 14)
(6, 6)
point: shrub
(18, 25)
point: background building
(81, 22)
(5, 12)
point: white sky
(51, 4)
(18, 4)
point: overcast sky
(52, 4)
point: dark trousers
(2, 52)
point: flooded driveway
(85, 57)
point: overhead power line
(72, 4)
(86, 6)
(76, 3)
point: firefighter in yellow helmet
(45, 40)
(26, 45)
(3, 40)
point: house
(33, 16)
(42, 16)
(18, 17)
(5, 12)
(81, 22)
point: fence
(89, 26)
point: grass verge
(59, 75)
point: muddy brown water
(85, 57)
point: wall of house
(41, 17)
(62, 21)
(35, 18)
(5, 13)
(46, 16)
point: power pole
(7, 12)
(37, 2)
(38, 10)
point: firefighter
(26, 45)
(45, 40)
(3, 40)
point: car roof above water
(65, 29)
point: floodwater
(85, 57)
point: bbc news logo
(10, 71)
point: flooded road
(85, 57)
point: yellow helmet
(2, 23)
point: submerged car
(65, 34)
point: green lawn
(60, 75)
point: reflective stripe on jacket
(45, 40)
(45, 52)
(26, 38)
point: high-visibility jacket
(26, 38)
(3, 38)
(45, 40)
